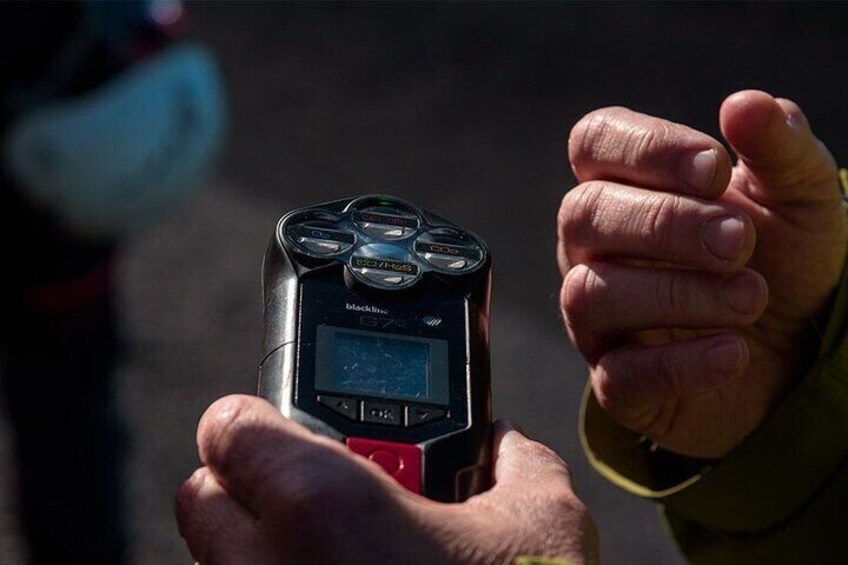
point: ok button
(380, 413)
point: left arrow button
(347, 407)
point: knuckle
(199, 520)
(648, 143)
(563, 500)
(582, 295)
(550, 460)
(620, 382)
(617, 134)
(672, 295)
(613, 380)
(222, 422)
(587, 132)
(535, 451)
(562, 506)
(639, 145)
(656, 216)
(605, 385)
(815, 168)
(593, 135)
(578, 213)
(662, 371)
(186, 500)
(565, 212)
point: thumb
(773, 140)
(532, 508)
(523, 465)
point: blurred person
(709, 301)
(106, 122)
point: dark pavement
(463, 109)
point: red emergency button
(387, 460)
(400, 460)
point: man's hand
(272, 492)
(691, 285)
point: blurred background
(463, 109)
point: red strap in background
(72, 294)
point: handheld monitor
(376, 335)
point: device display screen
(381, 364)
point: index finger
(618, 144)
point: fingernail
(726, 356)
(792, 122)
(724, 236)
(744, 293)
(797, 123)
(699, 171)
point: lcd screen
(382, 365)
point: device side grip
(279, 297)
(459, 466)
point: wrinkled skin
(689, 284)
(696, 289)
(272, 492)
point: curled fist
(692, 285)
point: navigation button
(316, 231)
(449, 251)
(384, 271)
(446, 262)
(347, 407)
(379, 413)
(444, 249)
(319, 245)
(395, 225)
(419, 415)
(320, 240)
(384, 278)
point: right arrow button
(418, 415)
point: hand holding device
(273, 492)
